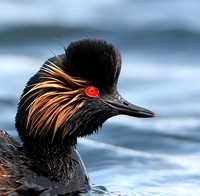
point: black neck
(64, 166)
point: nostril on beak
(125, 103)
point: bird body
(22, 175)
(71, 96)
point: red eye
(92, 91)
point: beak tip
(147, 114)
(153, 115)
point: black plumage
(71, 96)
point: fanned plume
(56, 98)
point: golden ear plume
(56, 98)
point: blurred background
(160, 46)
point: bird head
(73, 94)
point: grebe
(71, 96)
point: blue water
(160, 46)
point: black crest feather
(95, 60)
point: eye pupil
(92, 91)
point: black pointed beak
(121, 106)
